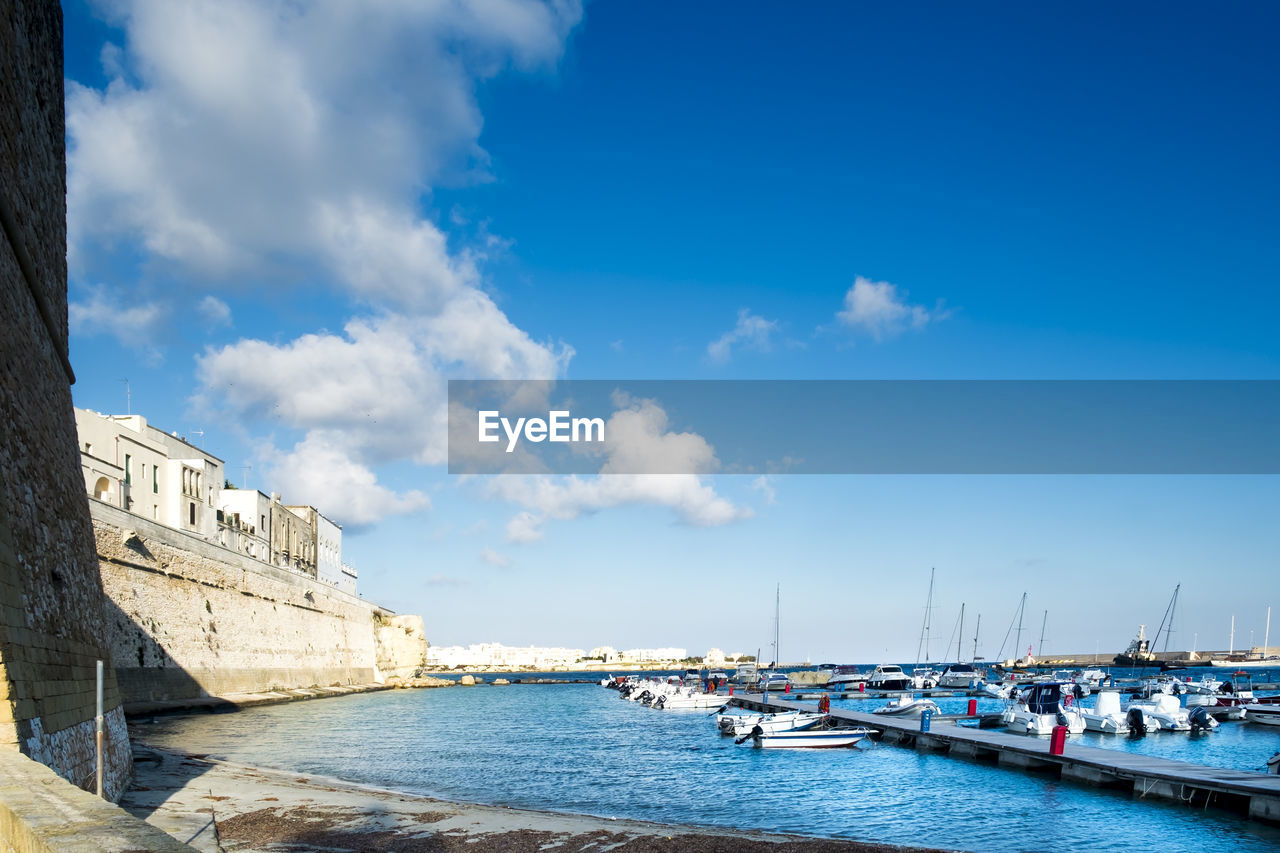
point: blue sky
(289, 227)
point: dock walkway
(1256, 795)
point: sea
(576, 747)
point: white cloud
(134, 324)
(493, 558)
(215, 311)
(750, 332)
(639, 441)
(320, 472)
(879, 309)
(762, 485)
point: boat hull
(815, 739)
(1266, 715)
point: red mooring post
(1057, 740)
(973, 707)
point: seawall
(190, 619)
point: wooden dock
(1256, 795)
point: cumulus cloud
(215, 311)
(119, 315)
(493, 558)
(639, 441)
(879, 309)
(750, 332)
(237, 138)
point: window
(128, 469)
(155, 512)
(88, 448)
(155, 479)
(193, 514)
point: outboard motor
(1078, 691)
(1137, 722)
(755, 730)
(1201, 720)
(1062, 719)
(661, 703)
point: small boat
(1040, 709)
(889, 677)
(907, 705)
(1105, 716)
(1161, 714)
(815, 738)
(771, 723)
(924, 678)
(1267, 715)
(1273, 764)
(746, 673)
(774, 681)
(845, 678)
(962, 675)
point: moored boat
(1105, 716)
(1041, 708)
(889, 677)
(907, 705)
(962, 675)
(815, 738)
(1267, 715)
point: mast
(1266, 637)
(960, 633)
(1043, 622)
(777, 608)
(924, 630)
(975, 638)
(1017, 640)
(1231, 644)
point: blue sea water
(578, 748)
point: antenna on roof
(128, 397)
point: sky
(290, 224)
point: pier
(1255, 795)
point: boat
(1105, 716)
(737, 725)
(746, 674)
(962, 675)
(845, 678)
(814, 738)
(1042, 708)
(1267, 715)
(1229, 700)
(774, 681)
(1162, 713)
(888, 676)
(1139, 651)
(1273, 764)
(907, 705)
(1272, 662)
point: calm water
(579, 748)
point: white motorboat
(961, 675)
(687, 700)
(1161, 714)
(815, 738)
(907, 705)
(996, 689)
(924, 678)
(774, 681)
(746, 673)
(889, 676)
(773, 723)
(845, 678)
(1105, 716)
(1267, 715)
(1039, 710)
(740, 724)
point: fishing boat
(1105, 716)
(888, 676)
(1139, 651)
(1038, 710)
(1267, 715)
(814, 738)
(907, 705)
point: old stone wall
(190, 618)
(402, 645)
(51, 604)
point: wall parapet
(40, 812)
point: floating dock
(1255, 795)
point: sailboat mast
(1043, 622)
(924, 629)
(777, 609)
(975, 637)
(1231, 644)
(1017, 641)
(1266, 637)
(960, 633)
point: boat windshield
(1044, 699)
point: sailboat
(1253, 659)
(772, 679)
(924, 677)
(960, 674)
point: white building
(713, 657)
(500, 657)
(654, 655)
(607, 654)
(161, 476)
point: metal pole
(98, 720)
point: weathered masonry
(52, 624)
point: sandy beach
(219, 806)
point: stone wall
(189, 618)
(402, 645)
(51, 603)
